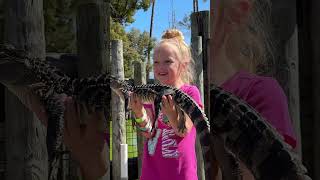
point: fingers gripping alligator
(237, 132)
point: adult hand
(86, 143)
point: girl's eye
(168, 61)
(155, 62)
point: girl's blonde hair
(176, 38)
(255, 39)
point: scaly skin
(250, 138)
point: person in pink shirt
(239, 47)
(168, 153)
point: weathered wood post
(26, 153)
(285, 36)
(117, 105)
(196, 47)
(91, 44)
(91, 38)
(315, 29)
(309, 87)
(200, 27)
(140, 78)
(2, 109)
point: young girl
(169, 154)
(239, 46)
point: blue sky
(163, 16)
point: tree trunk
(26, 151)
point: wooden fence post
(200, 27)
(315, 28)
(309, 97)
(117, 105)
(196, 47)
(91, 49)
(140, 78)
(286, 58)
(91, 39)
(26, 153)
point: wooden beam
(26, 153)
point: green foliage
(135, 45)
(122, 11)
(61, 33)
(59, 23)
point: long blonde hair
(255, 38)
(176, 38)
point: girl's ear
(239, 11)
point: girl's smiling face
(167, 65)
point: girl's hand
(169, 109)
(136, 105)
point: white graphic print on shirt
(169, 145)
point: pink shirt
(267, 97)
(171, 157)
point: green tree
(61, 33)
(122, 11)
(135, 45)
(59, 26)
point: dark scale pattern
(252, 139)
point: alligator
(96, 91)
(249, 138)
(236, 132)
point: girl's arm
(142, 119)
